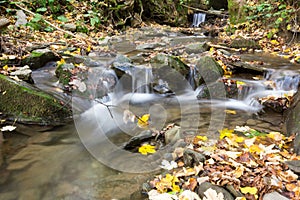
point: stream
(85, 159)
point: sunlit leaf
(225, 133)
(145, 149)
(254, 149)
(249, 190)
(233, 112)
(202, 138)
(211, 194)
(168, 165)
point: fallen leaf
(145, 149)
(8, 128)
(211, 194)
(249, 190)
(143, 121)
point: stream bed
(85, 160)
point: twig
(205, 11)
(56, 27)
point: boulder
(209, 70)
(244, 43)
(23, 73)
(196, 48)
(217, 90)
(292, 121)
(38, 58)
(27, 104)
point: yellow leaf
(239, 139)
(275, 42)
(5, 67)
(145, 149)
(254, 149)
(233, 112)
(239, 83)
(61, 62)
(203, 138)
(88, 49)
(276, 136)
(250, 190)
(143, 121)
(225, 133)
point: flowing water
(85, 159)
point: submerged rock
(28, 104)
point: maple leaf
(145, 149)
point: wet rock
(251, 122)
(216, 90)
(206, 185)
(21, 18)
(172, 135)
(273, 196)
(38, 58)
(209, 70)
(162, 60)
(196, 48)
(148, 46)
(136, 141)
(121, 65)
(294, 165)
(70, 27)
(4, 22)
(233, 191)
(23, 73)
(244, 43)
(26, 103)
(292, 121)
(245, 68)
(192, 158)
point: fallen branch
(206, 11)
(222, 47)
(56, 27)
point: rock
(4, 22)
(148, 46)
(192, 158)
(38, 58)
(294, 165)
(21, 18)
(273, 196)
(136, 141)
(23, 73)
(172, 70)
(26, 103)
(217, 90)
(121, 65)
(233, 191)
(251, 122)
(244, 43)
(70, 27)
(196, 48)
(245, 68)
(209, 70)
(292, 121)
(206, 185)
(172, 135)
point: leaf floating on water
(233, 112)
(145, 149)
(8, 128)
(143, 121)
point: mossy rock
(209, 70)
(38, 58)
(28, 104)
(63, 73)
(244, 43)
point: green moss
(30, 104)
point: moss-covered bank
(27, 104)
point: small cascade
(284, 80)
(198, 18)
(142, 78)
(192, 77)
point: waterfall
(141, 79)
(198, 18)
